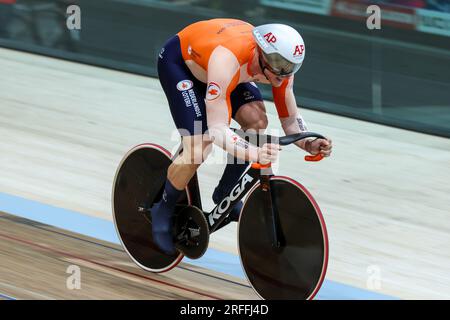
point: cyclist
(208, 72)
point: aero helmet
(281, 48)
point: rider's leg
(195, 151)
(180, 172)
(185, 95)
(253, 116)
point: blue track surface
(6, 297)
(104, 230)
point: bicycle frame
(242, 187)
(217, 215)
(246, 182)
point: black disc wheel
(138, 183)
(296, 268)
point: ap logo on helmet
(299, 49)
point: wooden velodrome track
(65, 126)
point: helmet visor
(279, 65)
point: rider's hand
(322, 146)
(268, 153)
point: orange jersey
(199, 40)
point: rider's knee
(256, 117)
(261, 122)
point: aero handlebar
(282, 141)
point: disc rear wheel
(138, 184)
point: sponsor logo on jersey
(248, 95)
(213, 91)
(190, 100)
(184, 85)
(224, 205)
(194, 54)
(161, 53)
(240, 142)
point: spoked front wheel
(297, 268)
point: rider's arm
(223, 77)
(291, 120)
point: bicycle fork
(271, 213)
